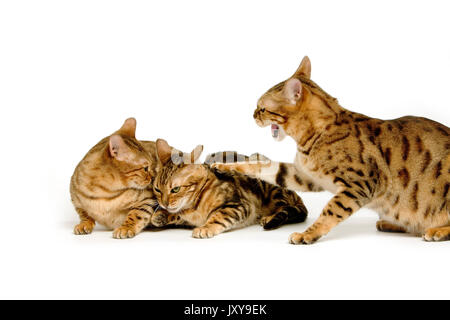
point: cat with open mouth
(400, 168)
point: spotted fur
(400, 168)
(216, 201)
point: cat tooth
(275, 131)
(275, 134)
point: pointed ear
(194, 155)
(118, 148)
(163, 150)
(304, 69)
(128, 128)
(293, 90)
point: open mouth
(277, 132)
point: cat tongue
(275, 131)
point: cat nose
(255, 114)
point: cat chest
(111, 211)
(106, 212)
(103, 206)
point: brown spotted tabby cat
(214, 201)
(111, 184)
(400, 167)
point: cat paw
(270, 222)
(219, 166)
(123, 233)
(83, 228)
(264, 221)
(160, 219)
(203, 233)
(303, 238)
(437, 234)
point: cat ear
(304, 69)
(163, 150)
(128, 128)
(293, 90)
(118, 148)
(195, 154)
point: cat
(400, 168)
(214, 201)
(112, 184)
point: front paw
(203, 233)
(83, 228)
(220, 166)
(123, 233)
(160, 219)
(436, 234)
(303, 238)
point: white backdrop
(191, 72)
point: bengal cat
(400, 168)
(112, 184)
(214, 201)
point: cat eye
(146, 169)
(157, 190)
(175, 190)
(263, 109)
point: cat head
(275, 107)
(282, 105)
(129, 158)
(179, 178)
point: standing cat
(400, 167)
(111, 185)
(214, 201)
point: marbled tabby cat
(400, 168)
(112, 184)
(214, 201)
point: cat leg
(253, 169)
(137, 219)
(288, 207)
(220, 221)
(385, 226)
(282, 174)
(339, 208)
(437, 234)
(86, 224)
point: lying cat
(111, 185)
(214, 201)
(400, 167)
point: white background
(191, 72)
